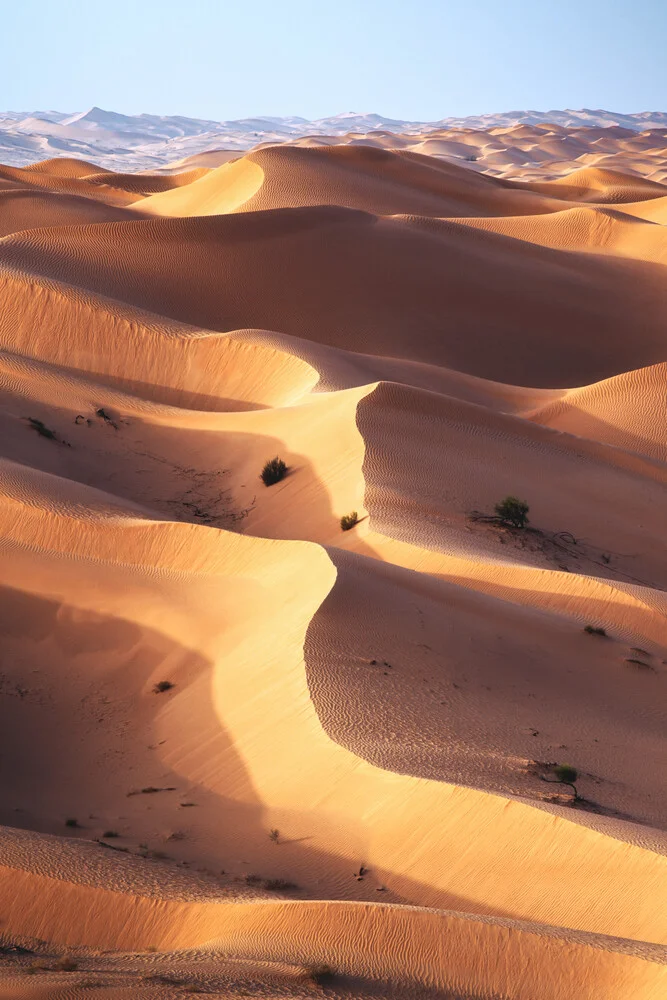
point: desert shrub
(274, 835)
(594, 630)
(566, 773)
(274, 470)
(162, 686)
(319, 973)
(110, 833)
(512, 512)
(71, 822)
(348, 521)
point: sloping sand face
(290, 758)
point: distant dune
(247, 752)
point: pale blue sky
(413, 59)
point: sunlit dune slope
(598, 230)
(601, 186)
(434, 291)
(263, 740)
(151, 587)
(375, 180)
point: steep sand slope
(375, 180)
(25, 208)
(432, 291)
(220, 747)
(392, 699)
(598, 230)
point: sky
(410, 59)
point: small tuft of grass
(73, 823)
(274, 836)
(274, 470)
(594, 630)
(162, 686)
(348, 521)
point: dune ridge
(416, 339)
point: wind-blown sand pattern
(416, 339)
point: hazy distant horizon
(424, 62)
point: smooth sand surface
(417, 339)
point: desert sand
(247, 752)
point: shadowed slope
(434, 291)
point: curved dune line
(385, 182)
(591, 229)
(224, 189)
(628, 411)
(404, 944)
(68, 182)
(630, 611)
(162, 359)
(653, 211)
(425, 288)
(26, 208)
(452, 842)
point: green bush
(566, 773)
(274, 470)
(348, 521)
(512, 512)
(162, 686)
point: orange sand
(416, 338)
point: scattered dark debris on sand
(151, 790)
(46, 432)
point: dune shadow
(69, 676)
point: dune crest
(309, 734)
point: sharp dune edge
(416, 339)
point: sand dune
(434, 291)
(416, 339)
